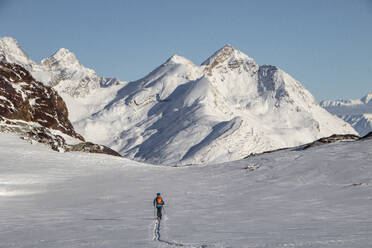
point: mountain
(36, 112)
(356, 112)
(181, 113)
(82, 89)
(225, 109)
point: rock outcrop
(36, 112)
(23, 98)
(331, 139)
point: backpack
(159, 200)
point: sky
(324, 44)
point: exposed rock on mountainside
(33, 132)
(331, 139)
(37, 113)
(322, 141)
(23, 98)
(57, 141)
(92, 148)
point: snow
(10, 50)
(32, 101)
(62, 71)
(81, 88)
(69, 139)
(171, 115)
(84, 107)
(356, 112)
(227, 53)
(19, 89)
(7, 100)
(319, 197)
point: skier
(158, 203)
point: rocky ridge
(36, 112)
(23, 98)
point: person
(158, 203)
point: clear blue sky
(325, 44)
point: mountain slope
(320, 197)
(358, 113)
(223, 110)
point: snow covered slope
(320, 197)
(223, 110)
(356, 112)
(81, 88)
(182, 113)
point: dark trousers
(159, 211)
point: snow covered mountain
(181, 113)
(223, 110)
(82, 89)
(356, 112)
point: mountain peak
(220, 56)
(62, 56)
(177, 59)
(367, 99)
(65, 55)
(9, 41)
(11, 51)
(227, 54)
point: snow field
(320, 197)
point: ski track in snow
(157, 237)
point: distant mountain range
(356, 112)
(181, 113)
